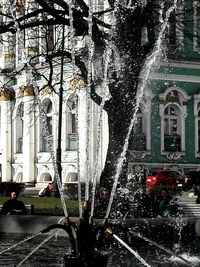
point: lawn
(48, 205)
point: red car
(162, 177)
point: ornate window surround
(43, 99)
(183, 98)
(69, 130)
(196, 118)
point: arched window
(46, 125)
(46, 177)
(71, 128)
(19, 128)
(72, 177)
(19, 177)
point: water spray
(109, 232)
(162, 248)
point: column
(5, 138)
(29, 140)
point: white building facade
(29, 113)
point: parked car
(165, 177)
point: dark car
(165, 177)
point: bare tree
(128, 29)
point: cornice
(175, 77)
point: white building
(28, 107)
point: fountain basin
(157, 227)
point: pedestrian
(102, 202)
(147, 206)
(13, 206)
(164, 204)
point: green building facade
(167, 129)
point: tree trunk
(119, 119)
(123, 83)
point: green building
(167, 132)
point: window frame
(173, 96)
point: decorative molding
(26, 90)
(165, 165)
(174, 155)
(182, 64)
(6, 95)
(174, 90)
(47, 90)
(139, 154)
(69, 156)
(8, 55)
(174, 77)
(76, 83)
(20, 5)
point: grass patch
(48, 205)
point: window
(171, 119)
(173, 111)
(19, 177)
(71, 128)
(47, 38)
(174, 32)
(72, 177)
(46, 126)
(197, 25)
(19, 128)
(172, 36)
(138, 139)
(172, 128)
(46, 177)
(50, 37)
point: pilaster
(5, 132)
